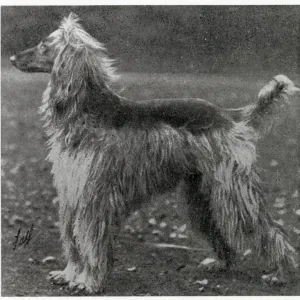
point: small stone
(202, 282)
(129, 228)
(48, 259)
(297, 212)
(182, 228)
(152, 221)
(279, 221)
(162, 224)
(207, 261)
(131, 269)
(27, 203)
(296, 230)
(46, 192)
(247, 252)
(32, 260)
(273, 163)
(182, 236)
(173, 235)
(279, 202)
(157, 232)
(163, 273)
(281, 212)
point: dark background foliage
(192, 39)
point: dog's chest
(71, 172)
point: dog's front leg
(94, 231)
(74, 266)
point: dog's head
(41, 57)
(80, 69)
(69, 43)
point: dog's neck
(67, 120)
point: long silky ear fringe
(80, 66)
(238, 203)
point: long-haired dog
(111, 154)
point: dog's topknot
(71, 22)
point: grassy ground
(27, 194)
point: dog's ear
(81, 80)
(68, 78)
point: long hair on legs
(111, 154)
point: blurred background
(189, 39)
(224, 54)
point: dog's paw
(78, 288)
(84, 285)
(58, 277)
(274, 279)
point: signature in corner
(22, 240)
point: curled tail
(268, 111)
(273, 101)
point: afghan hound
(110, 155)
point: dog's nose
(12, 59)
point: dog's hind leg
(273, 243)
(239, 208)
(73, 267)
(200, 214)
(238, 204)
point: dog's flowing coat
(110, 155)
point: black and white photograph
(150, 150)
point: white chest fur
(70, 172)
